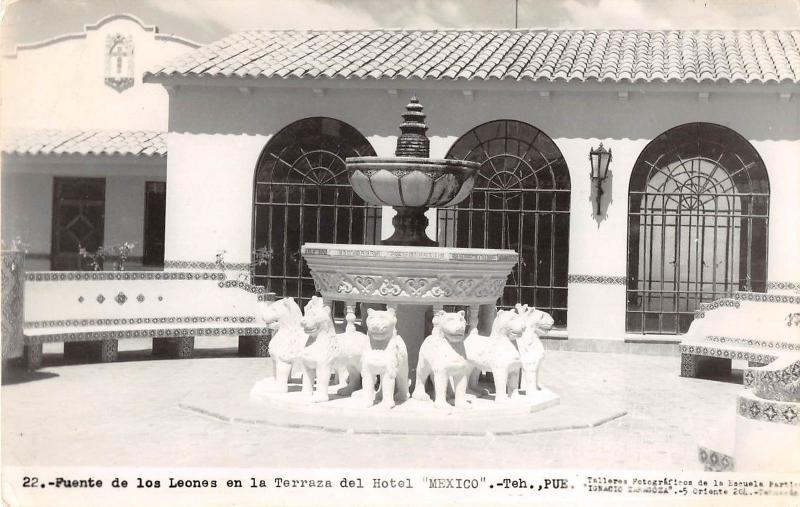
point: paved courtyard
(129, 414)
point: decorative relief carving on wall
(597, 279)
(119, 61)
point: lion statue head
(282, 313)
(510, 324)
(317, 318)
(381, 324)
(540, 322)
(451, 325)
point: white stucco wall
(59, 84)
(27, 199)
(220, 131)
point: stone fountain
(409, 271)
(415, 280)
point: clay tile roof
(85, 142)
(537, 55)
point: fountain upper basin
(411, 181)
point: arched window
(520, 201)
(697, 225)
(302, 195)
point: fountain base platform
(243, 400)
(479, 406)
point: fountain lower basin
(408, 274)
(416, 281)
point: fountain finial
(412, 141)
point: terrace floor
(90, 414)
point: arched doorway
(521, 201)
(697, 225)
(302, 195)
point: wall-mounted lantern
(600, 159)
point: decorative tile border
(783, 286)
(234, 319)
(750, 342)
(777, 384)
(766, 298)
(597, 279)
(77, 276)
(249, 287)
(783, 412)
(210, 266)
(699, 350)
(719, 303)
(714, 461)
(147, 333)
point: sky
(207, 20)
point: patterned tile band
(749, 342)
(597, 279)
(235, 319)
(748, 355)
(777, 383)
(784, 412)
(211, 266)
(783, 286)
(75, 276)
(255, 289)
(719, 303)
(147, 333)
(766, 298)
(714, 461)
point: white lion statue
(329, 352)
(443, 355)
(497, 353)
(531, 350)
(288, 340)
(387, 357)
